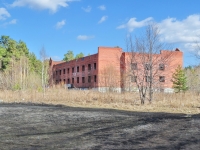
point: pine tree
(179, 80)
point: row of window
(78, 80)
(77, 69)
(148, 79)
(147, 66)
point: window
(161, 67)
(133, 66)
(73, 70)
(56, 72)
(83, 68)
(147, 78)
(77, 79)
(162, 78)
(68, 70)
(68, 81)
(78, 69)
(147, 66)
(60, 72)
(95, 78)
(89, 67)
(95, 66)
(63, 71)
(64, 81)
(83, 79)
(133, 78)
(89, 79)
(72, 80)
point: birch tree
(145, 61)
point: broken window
(60, 72)
(68, 81)
(63, 71)
(68, 70)
(147, 66)
(89, 67)
(133, 66)
(147, 78)
(133, 78)
(95, 66)
(73, 70)
(162, 78)
(77, 79)
(89, 79)
(78, 69)
(161, 67)
(83, 79)
(83, 68)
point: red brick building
(111, 68)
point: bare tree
(44, 69)
(146, 62)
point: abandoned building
(113, 69)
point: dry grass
(188, 103)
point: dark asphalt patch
(33, 126)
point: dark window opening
(78, 69)
(134, 66)
(95, 78)
(95, 66)
(56, 72)
(133, 78)
(68, 81)
(89, 79)
(68, 70)
(63, 71)
(60, 72)
(161, 67)
(162, 78)
(147, 66)
(72, 80)
(89, 67)
(83, 68)
(83, 79)
(77, 79)
(64, 81)
(147, 78)
(73, 70)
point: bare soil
(37, 127)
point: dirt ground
(36, 127)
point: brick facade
(110, 68)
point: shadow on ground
(32, 126)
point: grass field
(188, 103)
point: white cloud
(185, 30)
(14, 21)
(52, 5)
(60, 24)
(87, 9)
(4, 14)
(102, 7)
(104, 18)
(132, 24)
(84, 37)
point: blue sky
(83, 25)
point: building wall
(72, 72)
(169, 59)
(110, 69)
